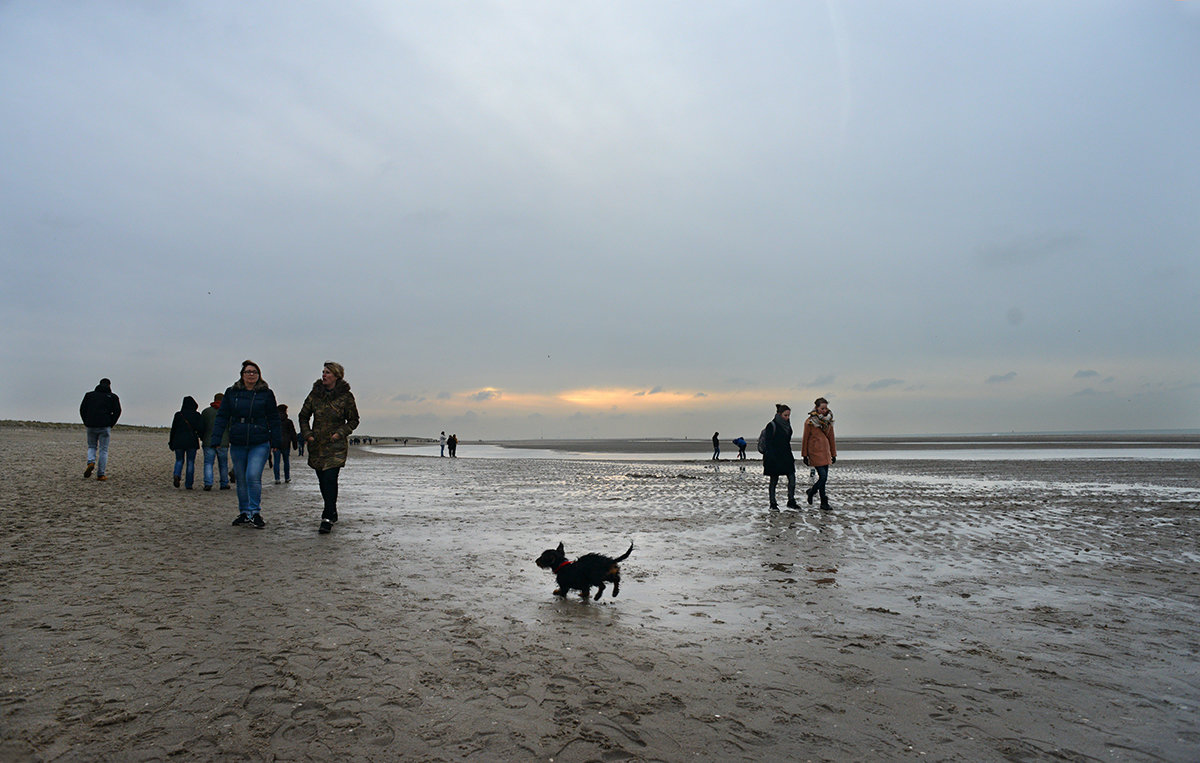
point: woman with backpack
(775, 443)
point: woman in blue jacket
(249, 411)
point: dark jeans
(327, 478)
(822, 476)
(791, 477)
(282, 455)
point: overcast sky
(605, 219)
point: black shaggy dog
(583, 573)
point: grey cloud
(1030, 250)
(999, 378)
(879, 384)
(484, 395)
(1086, 374)
(405, 397)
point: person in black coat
(251, 414)
(99, 410)
(186, 429)
(777, 456)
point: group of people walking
(818, 450)
(246, 425)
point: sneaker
(208, 487)
(102, 478)
(258, 521)
(793, 505)
(242, 519)
(277, 482)
(224, 487)
(88, 471)
(326, 526)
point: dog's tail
(625, 555)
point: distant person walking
(818, 448)
(186, 429)
(248, 410)
(716, 447)
(778, 460)
(740, 442)
(220, 454)
(334, 416)
(442, 442)
(99, 410)
(452, 444)
(290, 442)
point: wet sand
(944, 611)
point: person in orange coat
(818, 448)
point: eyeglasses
(250, 371)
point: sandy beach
(945, 611)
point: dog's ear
(560, 547)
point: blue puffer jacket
(250, 414)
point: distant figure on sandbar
(248, 411)
(442, 442)
(99, 410)
(334, 415)
(716, 447)
(778, 460)
(452, 445)
(289, 444)
(186, 428)
(220, 454)
(818, 448)
(740, 442)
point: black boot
(809, 494)
(825, 504)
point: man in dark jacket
(99, 410)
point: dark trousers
(822, 476)
(327, 478)
(791, 477)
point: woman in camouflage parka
(334, 416)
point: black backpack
(762, 437)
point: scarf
(819, 421)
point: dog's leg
(559, 592)
(586, 593)
(616, 581)
(599, 591)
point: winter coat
(250, 415)
(100, 407)
(333, 411)
(778, 460)
(289, 432)
(186, 427)
(818, 445)
(209, 415)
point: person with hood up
(818, 448)
(334, 416)
(99, 410)
(778, 460)
(248, 410)
(186, 429)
